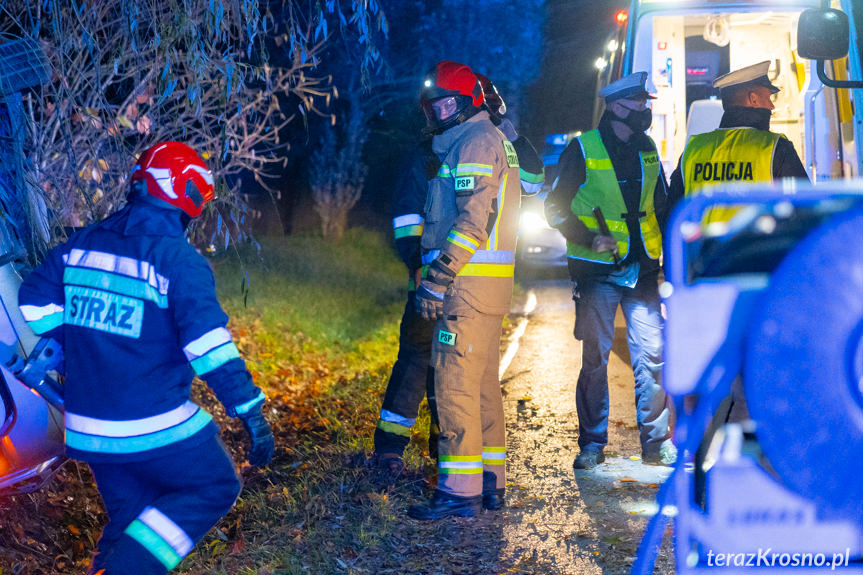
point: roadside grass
(319, 331)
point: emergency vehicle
(685, 44)
(775, 491)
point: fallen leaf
(628, 480)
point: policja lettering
(722, 171)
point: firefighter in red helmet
(134, 307)
(468, 239)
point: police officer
(407, 383)
(134, 307)
(615, 168)
(743, 149)
(469, 235)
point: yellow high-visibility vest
(727, 155)
(601, 189)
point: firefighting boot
(442, 505)
(494, 499)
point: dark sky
(563, 96)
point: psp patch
(104, 311)
(446, 337)
(464, 184)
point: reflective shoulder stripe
(207, 342)
(42, 319)
(474, 170)
(407, 220)
(37, 312)
(172, 533)
(120, 284)
(444, 171)
(215, 358)
(121, 265)
(138, 443)
(245, 407)
(130, 427)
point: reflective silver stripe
(130, 427)
(117, 264)
(407, 220)
(493, 257)
(37, 312)
(430, 257)
(486, 455)
(396, 418)
(209, 341)
(460, 464)
(165, 528)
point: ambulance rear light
(621, 17)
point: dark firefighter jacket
(134, 307)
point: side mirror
(824, 34)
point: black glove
(260, 435)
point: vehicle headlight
(532, 222)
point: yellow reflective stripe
(501, 197)
(474, 170)
(472, 471)
(613, 225)
(598, 164)
(488, 270)
(462, 241)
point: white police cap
(637, 84)
(755, 75)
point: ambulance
(685, 44)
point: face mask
(637, 120)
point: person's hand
(604, 244)
(260, 436)
(429, 300)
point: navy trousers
(407, 384)
(595, 308)
(160, 508)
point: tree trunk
(334, 221)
